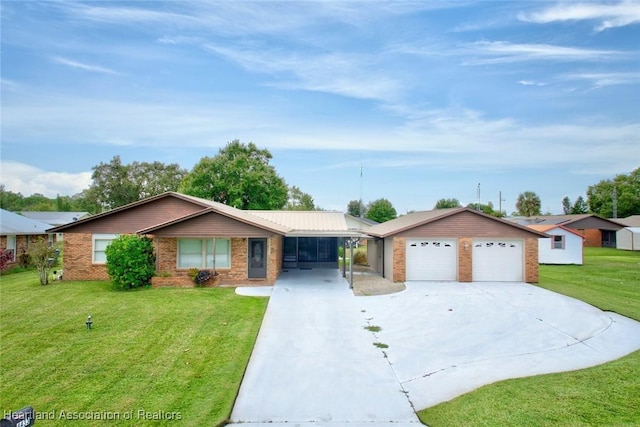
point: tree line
(241, 175)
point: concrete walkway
(314, 361)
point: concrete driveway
(314, 361)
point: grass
(605, 395)
(177, 355)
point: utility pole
(500, 200)
(614, 200)
(361, 206)
(478, 205)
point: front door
(257, 258)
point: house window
(100, 243)
(200, 253)
(557, 242)
(11, 246)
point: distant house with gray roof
(17, 232)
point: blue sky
(428, 99)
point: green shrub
(130, 262)
(43, 256)
(360, 257)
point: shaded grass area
(176, 355)
(605, 395)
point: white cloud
(86, 67)
(26, 179)
(599, 80)
(531, 83)
(347, 74)
(610, 15)
(505, 52)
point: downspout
(382, 240)
(351, 264)
(344, 257)
(214, 256)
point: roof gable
(452, 222)
(134, 216)
(213, 222)
(550, 227)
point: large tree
(381, 210)
(116, 184)
(528, 204)
(356, 208)
(578, 207)
(239, 175)
(299, 200)
(447, 203)
(621, 193)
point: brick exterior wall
(531, 260)
(170, 275)
(78, 256)
(399, 259)
(22, 244)
(592, 237)
(465, 259)
(78, 264)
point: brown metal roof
(417, 219)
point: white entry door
(432, 259)
(498, 260)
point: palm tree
(528, 204)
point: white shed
(563, 247)
(628, 238)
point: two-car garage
(458, 244)
(493, 260)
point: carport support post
(344, 257)
(351, 263)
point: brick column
(465, 259)
(531, 260)
(399, 259)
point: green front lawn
(174, 354)
(605, 395)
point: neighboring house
(628, 238)
(18, 232)
(597, 231)
(458, 244)
(55, 219)
(243, 247)
(630, 221)
(564, 246)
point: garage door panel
(432, 259)
(498, 260)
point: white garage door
(498, 260)
(432, 259)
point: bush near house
(130, 261)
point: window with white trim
(199, 253)
(11, 245)
(557, 242)
(100, 243)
